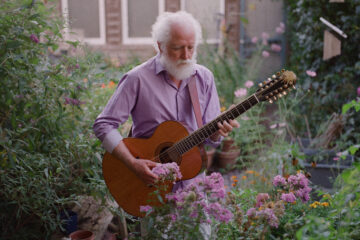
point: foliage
(335, 82)
(48, 154)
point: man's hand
(226, 127)
(142, 169)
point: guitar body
(127, 189)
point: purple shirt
(150, 97)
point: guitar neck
(201, 134)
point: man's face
(178, 55)
(181, 45)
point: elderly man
(157, 91)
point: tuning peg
(270, 101)
(282, 70)
(264, 82)
(273, 76)
(286, 86)
(280, 95)
(278, 74)
(276, 91)
(280, 89)
(284, 93)
(275, 98)
(271, 94)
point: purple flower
(261, 198)
(241, 92)
(77, 66)
(34, 38)
(275, 47)
(268, 215)
(303, 194)
(254, 39)
(167, 171)
(249, 84)
(251, 212)
(145, 208)
(358, 91)
(218, 212)
(311, 73)
(265, 54)
(288, 197)
(279, 181)
(298, 181)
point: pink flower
(288, 197)
(261, 198)
(145, 209)
(251, 212)
(241, 92)
(249, 84)
(265, 54)
(268, 215)
(34, 38)
(303, 193)
(336, 158)
(254, 39)
(311, 73)
(275, 47)
(279, 181)
(265, 35)
(358, 91)
(279, 30)
(167, 171)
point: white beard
(181, 69)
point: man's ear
(159, 46)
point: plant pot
(82, 235)
(210, 157)
(227, 159)
(227, 145)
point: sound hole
(167, 155)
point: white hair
(162, 27)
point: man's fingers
(234, 123)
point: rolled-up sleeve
(116, 112)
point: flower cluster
(167, 172)
(203, 194)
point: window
(85, 18)
(209, 14)
(137, 18)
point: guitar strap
(195, 101)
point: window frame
(126, 40)
(222, 11)
(102, 24)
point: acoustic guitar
(171, 142)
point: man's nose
(186, 54)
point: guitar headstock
(276, 87)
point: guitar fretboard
(201, 134)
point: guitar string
(185, 141)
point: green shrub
(48, 153)
(337, 78)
